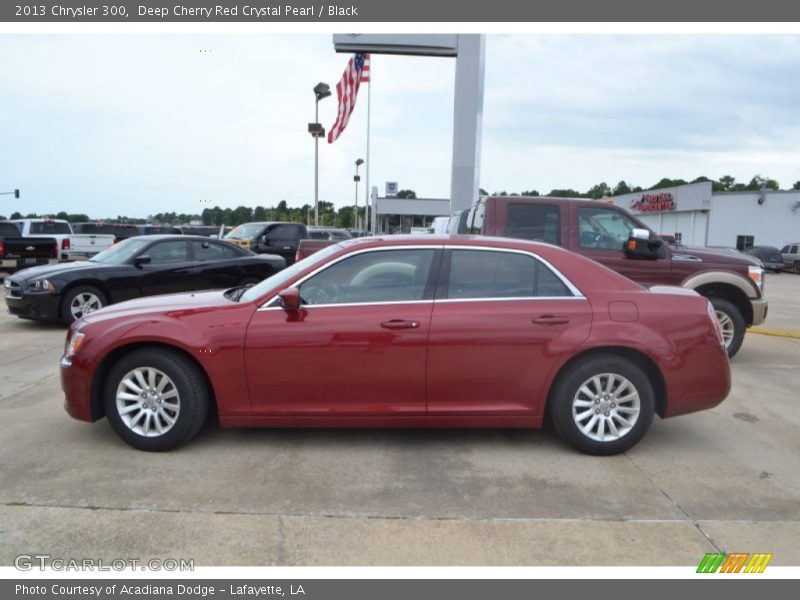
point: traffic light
(16, 193)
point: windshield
(121, 253)
(248, 231)
(281, 277)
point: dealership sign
(653, 202)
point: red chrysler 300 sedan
(404, 332)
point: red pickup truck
(610, 235)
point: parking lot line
(776, 332)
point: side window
(378, 276)
(785, 250)
(167, 252)
(538, 222)
(282, 235)
(488, 274)
(211, 251)
(793, 250)
(604, 228)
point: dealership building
(697, 216)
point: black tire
(736, 319)
(797, 267)
(192, 398)
(67, 316)
(567, 389)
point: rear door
(215, 265)
(501, 321)
(169, 270)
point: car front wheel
(602, 404)
(80, 301)
(156, 399)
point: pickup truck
(72, 246)
(270, 237)
(17, 252)
(791, 257)
(608, 234)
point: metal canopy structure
(469, 50)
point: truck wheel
(731, 322)
(80, 301)
(155, 399)
(602, 404)
(797, 267)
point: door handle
(550, 320)
(400, 324)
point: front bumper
(32, 306)
(760, 307)
(76, 384)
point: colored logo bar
(735, 562)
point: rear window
(50, 227)
(8, 230)
(537, 222)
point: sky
(139, 124)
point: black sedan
(771, 257)
(139, 266)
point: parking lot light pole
(357, 178)
(321, 90)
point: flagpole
(367, 206)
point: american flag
(356, 73)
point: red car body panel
(465, 363)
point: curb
(776, 332)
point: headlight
(42, 285)
(757, 275)
(73, 344)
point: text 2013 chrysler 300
(404, 332)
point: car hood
(168, 304)
(50, 271)
(719, 257)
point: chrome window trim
(570, 286)
(577, 294)
(265, 304)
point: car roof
(179, 237)
(446, 239)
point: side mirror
(640, 245)
(144, 259)
(289, 298)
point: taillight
(65, 244)
(2, 248)
(297, 257)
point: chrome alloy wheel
(606, 407)
(726, 324)
(83, 304)
(148, 402)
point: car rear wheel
(797, 267)
(81, 301)
(156, 399)
(732, 324)
(602, 404)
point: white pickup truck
(71, 246)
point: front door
(358, 344)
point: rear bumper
(15, 264)
(34, 306)
(702, 381)
(760, 307)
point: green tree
(621, 188)
(16, 215)
(757, 182)
(796, 185)
(601, 190)
(724, 184)
(530, 192)
(565, 193)
(667, 183)
(406, 194)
